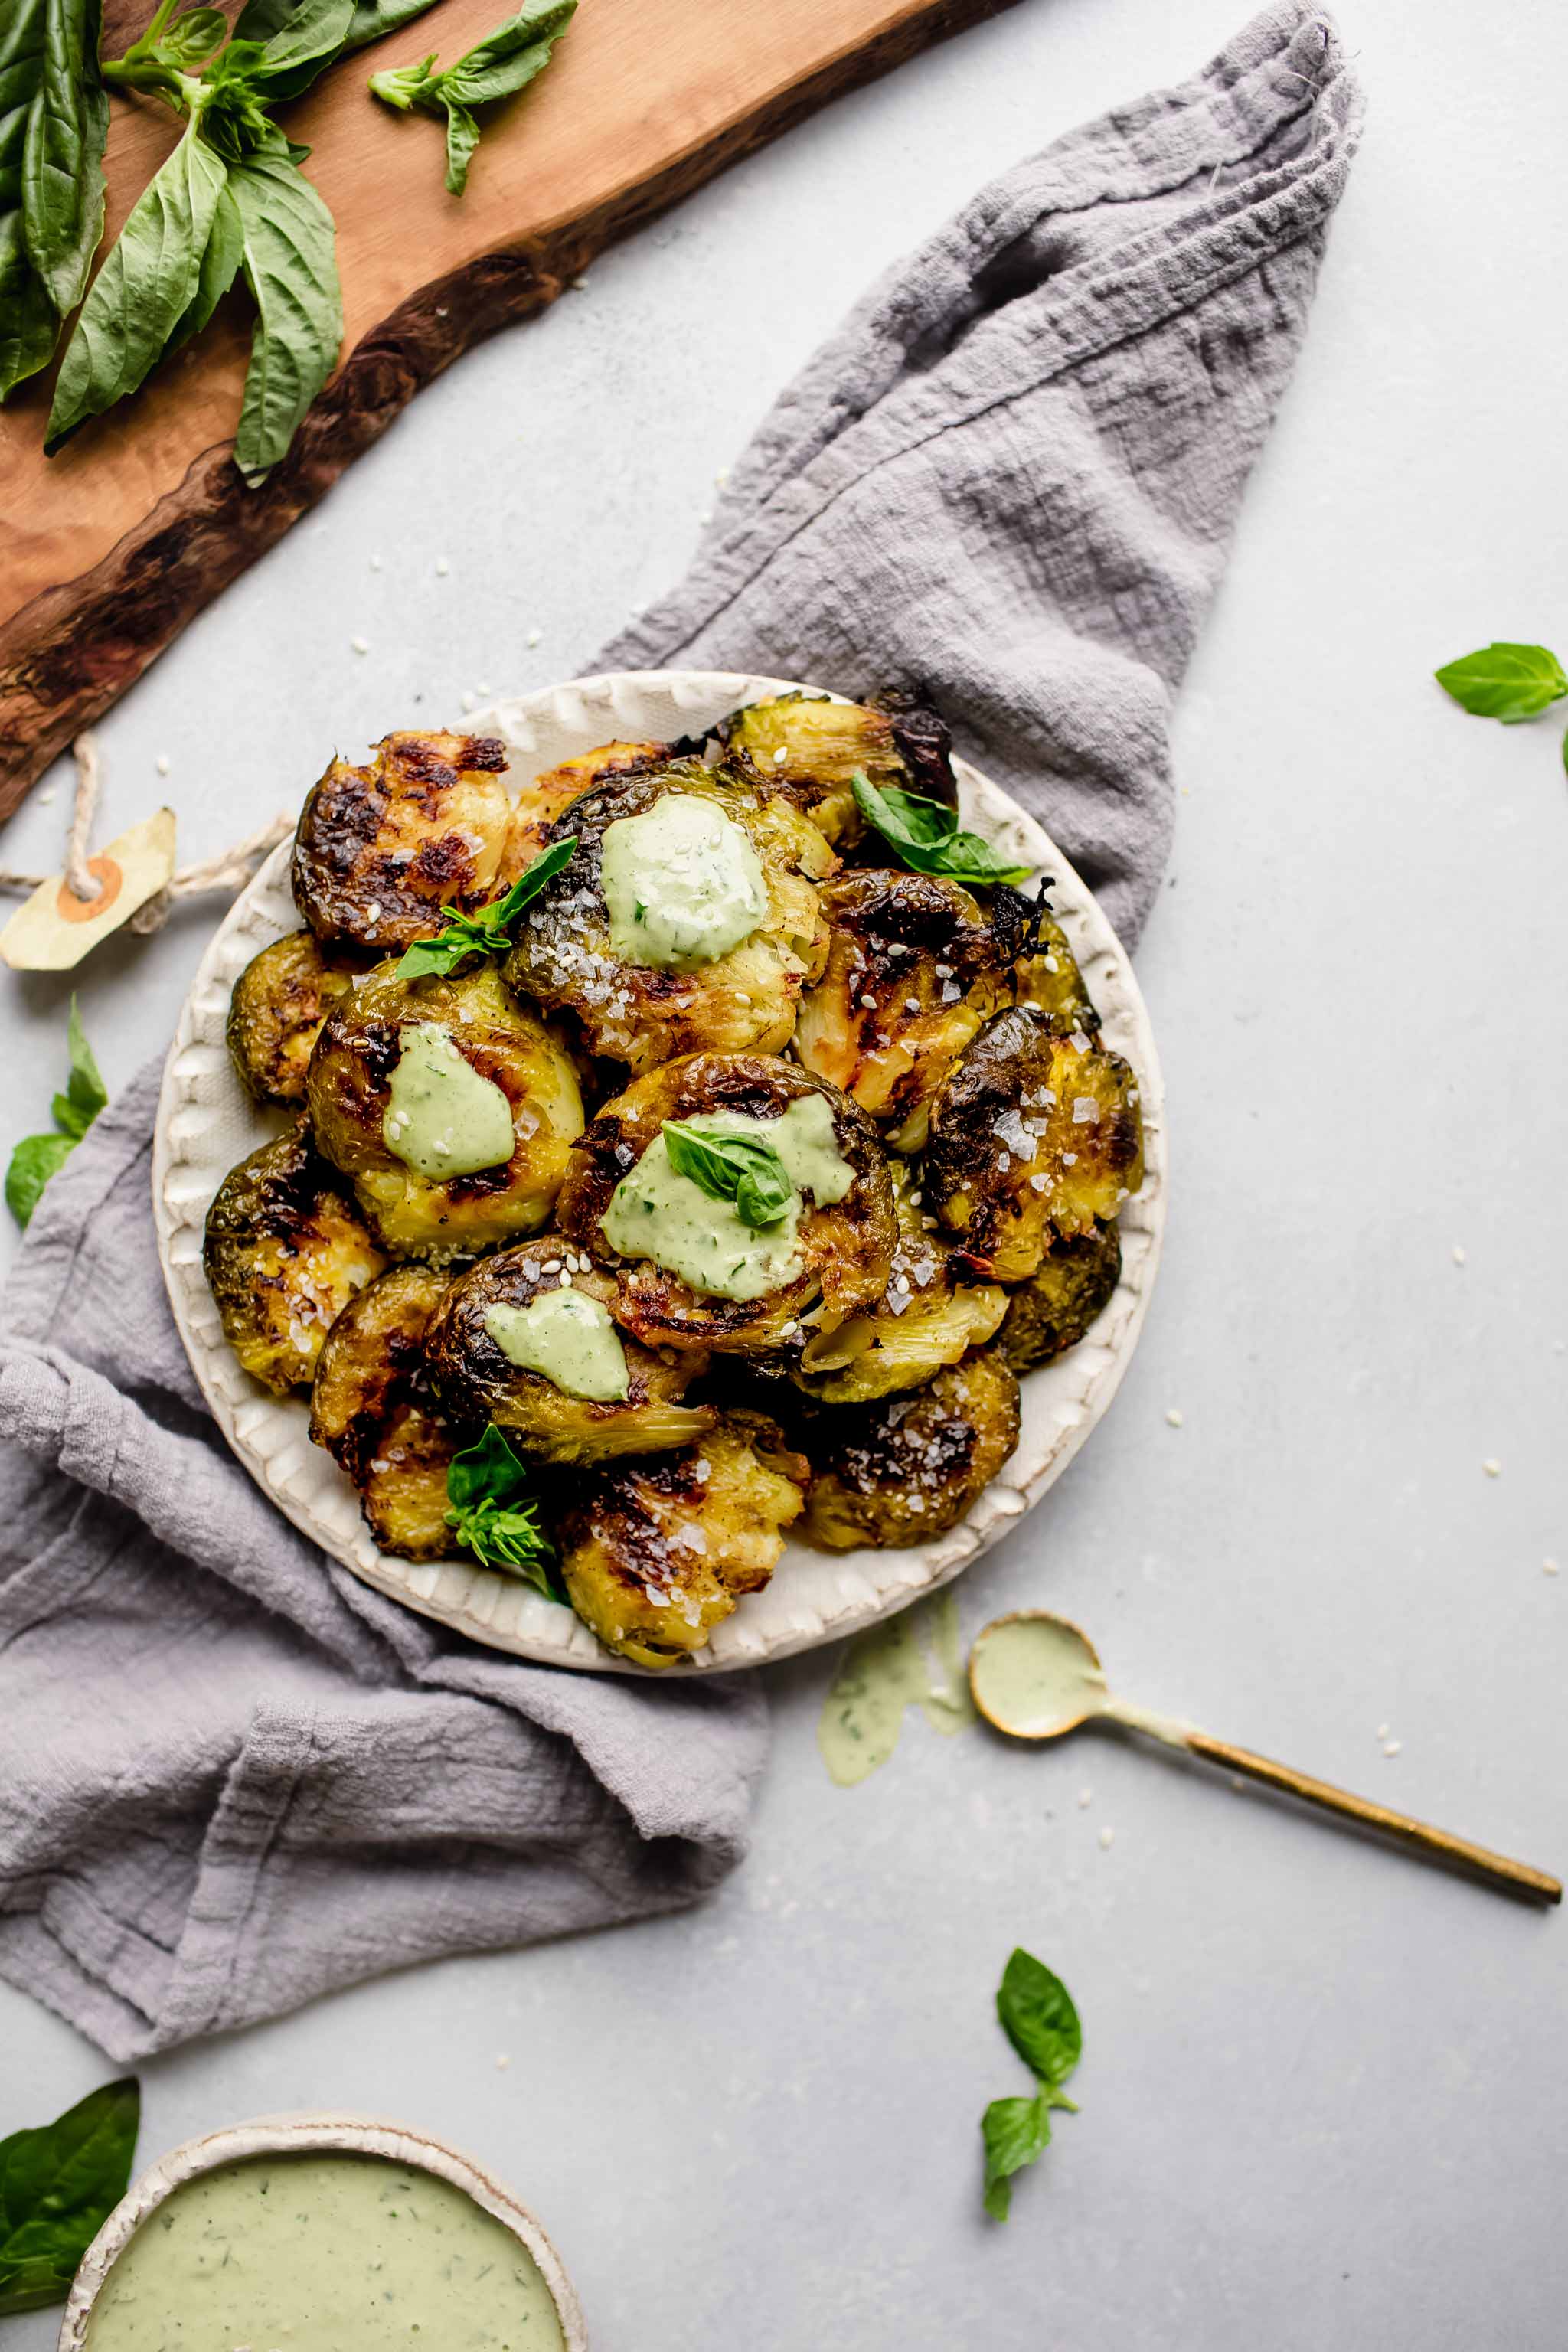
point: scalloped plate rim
(201, 1096)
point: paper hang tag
(54, 929)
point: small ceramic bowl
(313, 2135)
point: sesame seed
(162, 763)
(723, 475)
(1383, 1730)
(1492, 1466)
(532, 637)
(781, 755)
(360, 645)
(442, 567)
(1106, 1836)
(1458, 1255)
(1086, 1797)
(47, 797)
(579, 286)
(502, 2061)
(467, 701)
(566, 1279)
(1175, 1416)
(1391, 1747)
(375, 563)
(1549, 1567)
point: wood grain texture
(112, 546)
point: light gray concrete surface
(1324, 2088)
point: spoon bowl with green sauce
(296, 2232)
(1034, 1675)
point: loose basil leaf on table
(59, 2184)
(489, 932)
(1505, 681)
(38, 1157)
(926, 834)
(1037, 2016)
(144, 289)
(739, 1168)
(1017, 2133)
(290, 252)
(500, 64)
(494, 1513)
(259, 19)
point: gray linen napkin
(231, 1776)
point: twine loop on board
(230, 870)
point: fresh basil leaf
(739, 1168)
(192, 37)
(1038, 2018)
(34, 1160)
(303, 47)
(371, 20)
(59, 2184)
(508, 59)
(143, 290)
(462, 138)
(62, 160)
(1017, 2133)
(88, 1094)
(220, 268)
(28, 327)
(489, 1471)
(489, 932)
(290, 267)
(1504, 681)
(404, 86)
(28, 324)
(926, 836)
(259, 19)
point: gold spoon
(1036, 1676)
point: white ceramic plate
(206, 1122)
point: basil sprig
(505, 62)
(926, 834)
(230, 201)
(495, 1514)
(59, 2184)
(54, 120)
(489, 932)
(739, 1168)
(1037, 2016)
(37, 1157)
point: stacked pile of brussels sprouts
(991, 1141)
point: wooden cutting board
(108, 549)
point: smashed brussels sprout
(479, 1381)
(907, 1469)
(656, 1554)
(913, 969)
(926, 1319)
(813, 747)
(372, 1408)
(349, 1093)
(1056, 1306)
(552, 793)
(1033, 1136)
(844, 1248)
(644, 1012)
(383, 853)
(279, 1002)
(1049, 978)
(285, 1251)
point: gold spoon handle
(1497, 1867)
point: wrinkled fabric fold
(231, 1775)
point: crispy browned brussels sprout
(433, 1068)
(572, 956)
(372, 1407)
(552, 793)
(746, 1290)
(1032, 1136)
(285, 1252)
(1049, 978)
(813, 747)
(656, 1554)
(914, 968)
(926, 1319)
(1056, 1306)
(479, 1334)
(907, 1469)
(383, 854)
(280, 1003)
